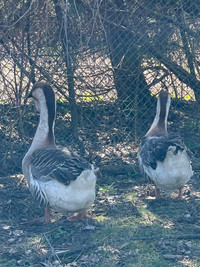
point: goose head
(159, 125)
(43, 94)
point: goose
(163, 156)
(57, 178)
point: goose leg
(180, 192)
(47, 214)
(158, 196)
(41, 220)
(80, 215)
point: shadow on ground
(128, 227)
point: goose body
(58, 178)
(163, 157)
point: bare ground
(128, 227)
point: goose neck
(44, 135)
(159, 125)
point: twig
(79, 255)
(74, 250)
(182, 236)
(52, 248)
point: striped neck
(159, 125)
(46, 104)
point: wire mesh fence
(106, 61)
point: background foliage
(106, 61)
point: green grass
(6, 262)
(128, 228)
(107, 189)
(116, 245)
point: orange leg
(80, 215)
(47, 214)
(41, 220)
(158, 196)
(180, 192)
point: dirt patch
(129, 227)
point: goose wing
(55, 164)
(153, 149)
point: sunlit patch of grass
(117, 247)
(89, 97)
(107, 189)
(189, 263)
(37, 242)
(131, 196)
(100, 218)
(148, 216)
(62, 100)
(36, 239)
(130, 226)
(187, 97)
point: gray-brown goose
(163, 157)
(58, 178)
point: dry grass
(128, 227)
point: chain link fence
(106, 61)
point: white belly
(79, 195)
(173, 173)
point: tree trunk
(126, 59)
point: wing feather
(153, 149)
(62, 165)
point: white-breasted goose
(163, 157)
(58, 178)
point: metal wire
(106, 61)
